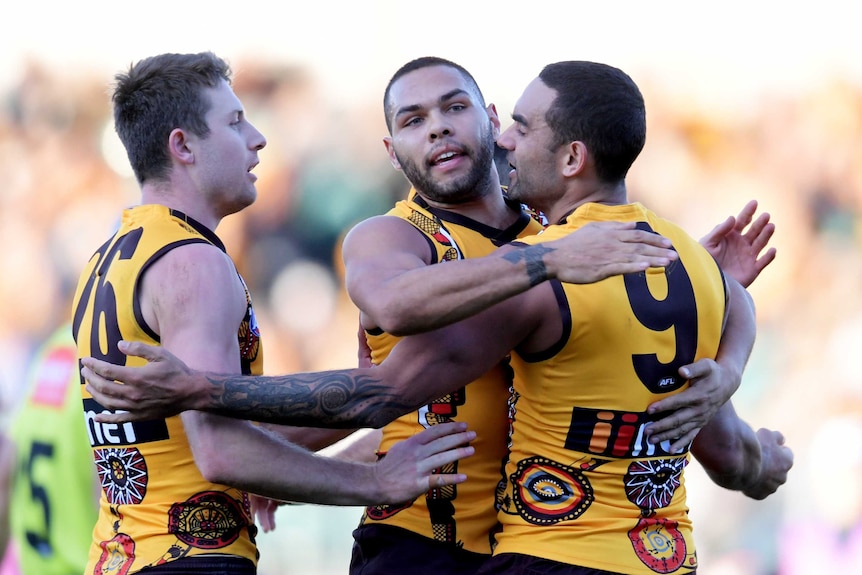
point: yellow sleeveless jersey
(155, 506)
(462, 515)
(583, 487)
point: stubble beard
(469, 187)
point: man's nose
(439, 126)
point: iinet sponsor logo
(114, 434)
(615, 434)
(109, 433)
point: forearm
(729, 451)
(420, 368)
(361, 446)
(275, 468)
(344, 399)
(429, 297)
(311, 438)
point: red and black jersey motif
(117, 557)
(208, 520)
(434, 228)
(659, 544)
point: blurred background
(744, 100)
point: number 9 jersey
(583, 487)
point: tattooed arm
(388, 276)
(420, 368)
(346, 398)
(166, 386)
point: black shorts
(517, 564)
(210, 565)
(388, 550)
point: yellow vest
(461, 515)
(583, 487)
(155, 505)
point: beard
(468, 187)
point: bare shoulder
(386, 233)
(192, 279)
(390, 230)
(193, 263)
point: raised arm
(737, 249)
(389, 279)
(737, 458)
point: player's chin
(247, 198)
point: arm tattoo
(533, 256)
(338, 399)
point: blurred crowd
(64, 179)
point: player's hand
(415, 465)
(710, 386)
(163, 387)
(263, 510)
(738, 250)
(776, 459)
(599, 250)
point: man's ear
(574, 160)
(179, 148)
(390, 150)
(495, 119)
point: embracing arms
(195, 300)
(420, 368)
(343, 398)
(389, 277)
(404, 295)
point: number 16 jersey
(155, 504)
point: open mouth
(445, 156)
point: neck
(166, 195)
(609, 195)
(487, 207)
